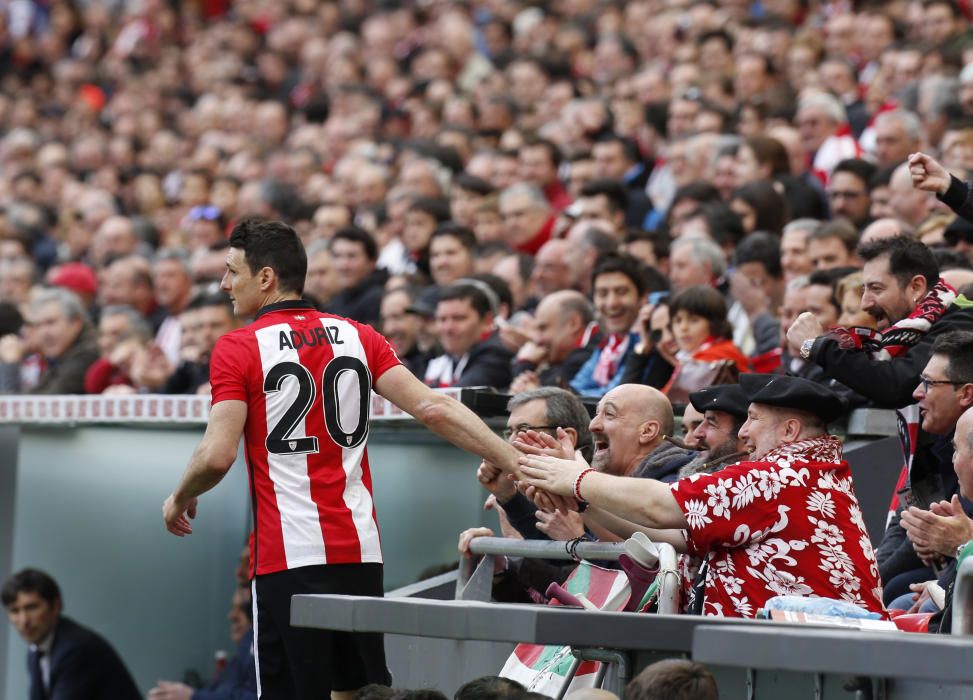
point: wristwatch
(806, 348)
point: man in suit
(66, 661)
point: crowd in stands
(627, 201)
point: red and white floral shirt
(789, 524)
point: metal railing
(475, 580)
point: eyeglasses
(511, 432)
(205, 212)
(925, 383)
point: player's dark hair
(272, 244)
(30, 581)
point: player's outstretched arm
(446, 417)
(210, 462)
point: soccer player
(296, 384)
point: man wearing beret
(785, 522)
(724, 410)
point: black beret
(728, 398)
(959, 230)
(793, 392)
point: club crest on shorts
(292, 444)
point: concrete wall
(85, 504)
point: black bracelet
(571, 547)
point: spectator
(618, 288)
(76, 277)
(794, 258)
(723, 411)
(908, 204)
(527, 217)
(489, 688)
(451, 253)
(897, 134)
(786, 424)
(848, 191)
(64, 657)
(128, 281)
(17, 277)
(322, 283)
(123, 335)
(554, 269)
(833, 245)
(173, 288)
(65, 340)
(563, 342)
(695, 261)
(214, 319)
(539, 163)
(673, 679)
(354, 254)
(472, 354)
(402, 326)
(238, 679)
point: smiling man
(784, 522)
(296, 385)
(65, 659)
(618, 289)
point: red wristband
(577, 484)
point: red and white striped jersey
(306, 377)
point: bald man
(628, 431)
(886, 227)
(561, 343)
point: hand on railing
(560, 525)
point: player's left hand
(556, 476)
(177, 516)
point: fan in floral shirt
(786, 522)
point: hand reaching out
(560, 525)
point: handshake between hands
(548, 468)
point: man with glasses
(848, 191)
(935, 522)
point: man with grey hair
(63, 337)
(897, 134)
(695, 260)
(527, 217)
(820, 118)
(172, 283)
(794, 258)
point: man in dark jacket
(355, 254)
(473, 354)
(65, 340)
(66, 661)
(563, 342)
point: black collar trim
(284, 306)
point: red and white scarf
(612, 350)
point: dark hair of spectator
(604, 243)
(472, 183)
(659, 240)
(881, 177)
(488, 248)
(907, 258)
(699, 191)
(654, 280)
(770, 151)
(622, 263)
(954, 7)
(760, 247)
(357, 235)
(858, 167)
(489, 688)
(30, 581)
(613, 190)
(374, 691)
(498, 285)
(436, 207)
(10, 319)
(957, 348)
(704, 301)
(673, 679)
(553, 152)
(207, 299)
(461, 233)
(420, 694)
(830, 278)
(842, 229)
(724, 224)
(630, 149)
(767, 203)
(563, 409)
(272, 244)
(949, 259)
(719, 34)
(464, 290)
